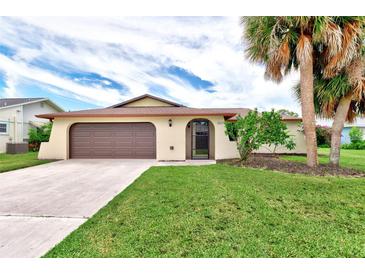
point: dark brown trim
(145, 96)
(64, 115)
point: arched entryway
(200, 141)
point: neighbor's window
(3, 128)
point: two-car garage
(112, 140)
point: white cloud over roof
(106, 60)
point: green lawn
(349, 158)
(16, 161)
(225, 211)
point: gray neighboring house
(345, 136)
(360, 123)
(17, 115)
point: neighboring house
(345, 137)
(148, 127)
(17, 115)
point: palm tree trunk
(337, 126)
(308, 112)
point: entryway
(199, 140)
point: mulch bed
(275, 163)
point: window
(3, 128)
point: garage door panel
(123, 153)
(122, 134)
(113, 140)
(140, 140)
(102, 152)
(82, 134)
(103, 134)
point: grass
(225, 211)
(10, 162)
(349, 158)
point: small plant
(38, 135)
(254, 130)
(359, 145)
(355, 135)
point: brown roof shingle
(175, 110)
(229, 113)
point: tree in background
(355, 135)
(255, 130)
(37, 135)
(305, 43)
(287, 112)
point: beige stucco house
(17, 115)
(148, 127)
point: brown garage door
(113, 140)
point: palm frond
(304, 49)
(351, 44)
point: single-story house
(17, 115)
(148, 127)
(345, 135)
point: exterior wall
(57, 147)
(188, 143)
(29, 112)
(148, 102)
(345, 136)
(211, 141)
(299, 139)
(12, 116)
(18, 118)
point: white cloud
(132, 51)
(10, 89)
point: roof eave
(35, 101)
(53, 116)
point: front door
(200, 139)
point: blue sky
(88, 62)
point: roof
(244, 111)
(11, 102)
(143, 97)
(16, 101)
(176, 110)
(144, 112)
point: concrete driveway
(41, 205)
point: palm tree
(283, 43)
(340, 98)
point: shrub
(355, 134)
(323, 136)
(324, 146)
(39, 135)
(255, 130)
(359, 145)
